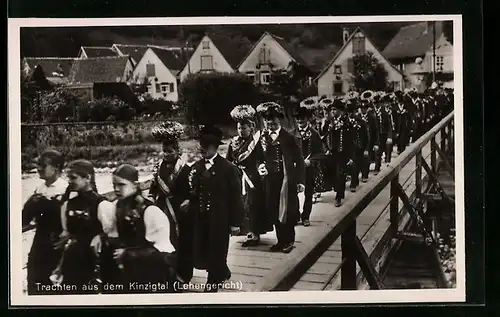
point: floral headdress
(168, 131)
(310, 103)
(326, 103)
(263, 107)
(243, 113)
(352, 95)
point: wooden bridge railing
(344, 225)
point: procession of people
(193, 207)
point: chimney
(345, 35)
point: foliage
(152, 106)
(369, 73)
(448, 30)
(53, 106)
(209, 98)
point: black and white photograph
(236, 160)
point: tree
(369, 73)
(448, 31)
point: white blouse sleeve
(106, 213)
(158, 229)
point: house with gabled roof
(214, 53)
(160, 68)
(97, 76)
(96, 51)
(336, 76)
(56, 69)
(269, 53)
(134, 51)
(411, 49)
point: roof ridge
(46, 57)
(139, 45)
(104, 57)
(101, 47)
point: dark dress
(142, 264)
(217, 205)
(247, 155)
(43, 258)
(178, 184)
(79, 264)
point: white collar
(189, 164)
(211, 160)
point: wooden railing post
(443, 136)
(418, 174)
(433, 155)
(394, 205)
(348, 270)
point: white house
(412, 51)
(336, 77)
(269, 53)
(213, 54)
(161, 68)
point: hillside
(315, 42)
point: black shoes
(287, 248)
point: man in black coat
(402, 121)
(284, 175)
(217, 207)
(361, 142)
(385, 127)
(312, 152)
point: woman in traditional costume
(142, 249)
(84, 218)
(170, 191)
(246, 153)
(44, 207)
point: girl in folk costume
(84, 218)
(140, 244)
(44, 207)
(312, 152)
(284, 175)
(170, 191)
(246, 153)
(218, 207)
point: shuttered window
(359, 46)
(207, 62)
(337, 87)
(172, 87)
(150, 70)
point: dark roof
(134, 51)
(172, 58)
(98, 70)
(51, 64)
(412, 41)
(233, 54)
(94, 51)
(291, 50)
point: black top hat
(339, 104)
(386, 98)
(210, 134)
(303, 112)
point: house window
(396, 85)
(251, 75)
(205, 45)
(265, 77)
(439, 63)
(207, 62)
(402, 67)
(337, 88)
(172, 87)
(359, 46)
(264, 55)
(350, 65)
(150, 70)
(337, 69)
(158, 88)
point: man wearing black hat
(218, 208)
(385, 129)
(402, 122)
(312, 152)
(361, 142)
(369, 118)
(284, 176)
(339, 147)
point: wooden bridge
(352, 246)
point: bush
(209, 98)
(106, 109)
(369, 73)
(152, 106)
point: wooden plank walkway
(253, 267)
